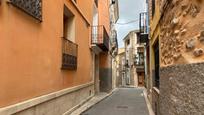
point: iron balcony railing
(69, 54)
(143, 25)
(100, 37)
(140, 67)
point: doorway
(157, 64)
(141, 79)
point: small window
(128, 42)
(69, 25)
(69, 48)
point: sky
(128, 12)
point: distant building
(120, 73)
(134, 59)
(114, 16)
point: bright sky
(129, 12)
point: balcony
(140, 65)
(143, 24)
(140, 68)
(100, 38)
(69, 55)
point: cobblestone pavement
(124, 101)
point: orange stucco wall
(104, 19)
(104, 16)
(31, 53)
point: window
(153, 7)
(69, 25)
(141, 58)
(128, 42)
(69, 48)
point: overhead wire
(129, 22)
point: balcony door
(95, 23)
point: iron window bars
(31, 7)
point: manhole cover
(122, 107)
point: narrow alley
(124, 101)
(101, 57)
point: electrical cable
(133, 21)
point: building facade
(107, 9)
(177, 57)
(134, 56)
(47, 66)
(114, 16)
(154, 48)
(120, 68)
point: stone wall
(182, 89)
(155, 100)
(182, 32)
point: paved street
(124, 101)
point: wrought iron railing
(69, 54)
(140, 67)
(143, 22)
(100, 37)
(143, 25)
(31, 7)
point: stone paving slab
(124, 101)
